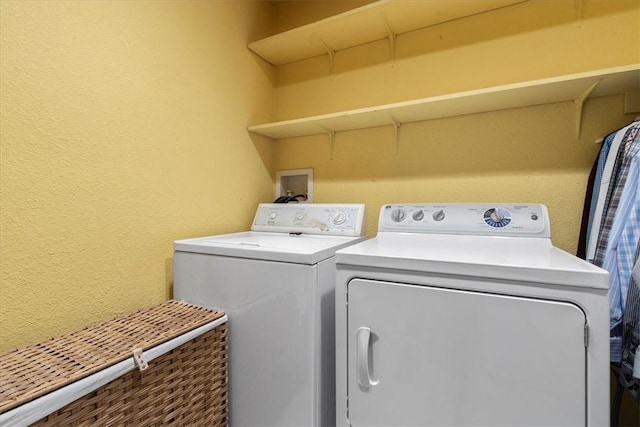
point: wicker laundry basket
(186, 386)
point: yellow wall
(290, 14)
(123, 128)
(519, 155)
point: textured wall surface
(519, 155)
(123, 128)
(528, 155)
(532, 40)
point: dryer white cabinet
(429, 356)
(467, 315)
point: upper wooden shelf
(375, 21)
(573, 87)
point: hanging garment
(598, 185)
(587, 213)
(612, 199)
(620, 233)
(610, 238)
(609, 162)
(629, 366)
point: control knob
(418, 215)
(438, 215)
(398, 215)
(339, 218)
(496, 215)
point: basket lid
(31, 371)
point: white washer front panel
(276, 284)
(438, 357)
(274, 318)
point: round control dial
(438, 215)
(418, 215)
(300, 216)
(398, 215)
(497, 217)
(339, 218)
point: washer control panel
(311, 218)
(526, 220)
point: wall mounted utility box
(294, 182)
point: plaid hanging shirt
(620, 232)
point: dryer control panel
(312, 218)
(494, 219)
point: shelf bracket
(579, 7)
(396, 130)
(332, 139)
(332, 55)
(579, 105)
(391, 36)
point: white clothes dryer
(276, 284)
(467, 315)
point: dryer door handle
(363, 340)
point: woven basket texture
(186, 386)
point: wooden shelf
(573, 87)
(376, 21)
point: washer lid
(283, 247)
(503, 258)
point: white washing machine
(276, 283)
(467, 315)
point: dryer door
(429, 356)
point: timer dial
(497, 217)
(339, 218)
